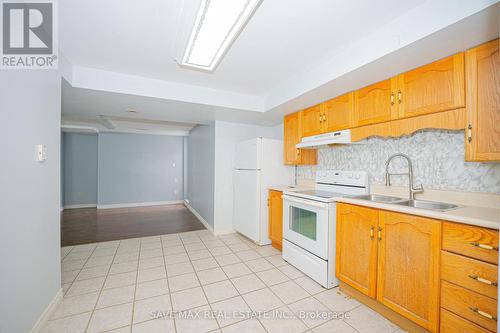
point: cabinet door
(292, 155)
(338, 112)
(483, 103)
(356, 263)
(276, 218)
(375, 103)
(292, 137)
(438, 86)
(312, 121)
(408, 267)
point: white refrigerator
(258, 165)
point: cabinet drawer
(451, 323)
(475, 242)
(469, 305)
(469, 273)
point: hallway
(90, 225)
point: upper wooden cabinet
(333, 115)
(338, 113)
(292, 136)
(356, 262)
(312, 119)
(436, 95)
(408, 267)
(275, 203)
(483, 102)
(375, 103)
(435, 87)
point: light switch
(41, 153)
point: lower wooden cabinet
(356, 245)
(467, 304)
(275, 203)
(442, 276)
(451, 323)
(393, 258)
(408, 267)
(469, 278)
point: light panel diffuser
(217, 24)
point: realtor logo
(28, 35)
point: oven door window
(303, 222)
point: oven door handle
(304, 201)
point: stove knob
(358, 176)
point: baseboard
(79, 206)
(140, 204)
(199, 217)
(218, 232)
(47, 313)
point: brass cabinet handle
(392, 98)
(324, 116)
(371, 232)
(320, 118)
(379, 233)
(485, 281)
(484, 314)
(469, 133)
(399, 97)
(484, 246)
(298, 152)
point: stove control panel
(339, 177)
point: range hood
(316, 141)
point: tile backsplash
(437, 157)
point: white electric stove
(309, 223)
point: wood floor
(89, 225)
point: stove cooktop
(317, 195)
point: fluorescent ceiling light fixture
(217, 24)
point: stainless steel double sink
(422, 204)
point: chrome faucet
(388, 175)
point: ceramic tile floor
(195, 282)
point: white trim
(205, 223)
(140, 204)
(79, 206)
(47, 313)
(199, 217)
(225, 232)
(79, 129)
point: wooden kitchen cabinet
(451, 323)
(483, 102)
(338, 113)
(469, 276)
(420, 268)
(435, 87)
(356, 248)
(292, 136)
(408, 267)
(375, 103)
(275, 203)
(471, 241)
(471, 306)
(312, 121)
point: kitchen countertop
(479, 216)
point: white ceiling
(283, 36)
(293, 53)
